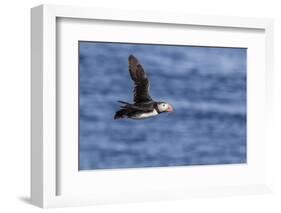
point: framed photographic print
(130, 106)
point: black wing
(141, 90)
(145, 107)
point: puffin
(144, 106)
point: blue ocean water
(205, 85)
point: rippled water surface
(206, 86)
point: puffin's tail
(119, 114)
(123, 112)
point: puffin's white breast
(145, 115)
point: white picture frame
(50, 171)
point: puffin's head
(164, 107)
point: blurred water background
(206, 86)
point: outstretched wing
(138, 75)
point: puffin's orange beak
(170, 109)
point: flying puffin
(143, 106)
